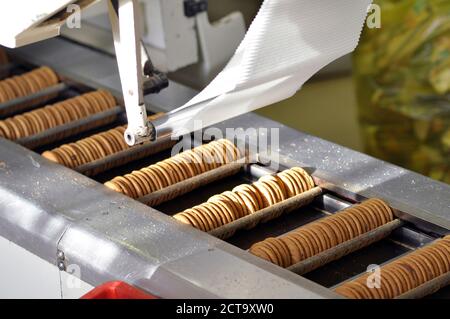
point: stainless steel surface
(110, 236)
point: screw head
(61, 266)
(60, 255)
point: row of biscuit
(27, 84)
(175, 169)
(91, 148)
(323, 234)
(403, 274)
(246, 199)
(44, 118)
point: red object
(117, 290)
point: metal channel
(24, 103)
(267, 213)
(427, 288)
(61, 131)
(190, 184)
(124, 157)
(345, 248)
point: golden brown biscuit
(315, 240)
(16, 133)
(66, 157)
(270, 244)
(295, 253)
(52, 156)
(210, 209)
(153, 177)
(125, 184)
(135, 184)
(218, 213)
(306, 242)
(329, 234)
(260, 252)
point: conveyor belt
(330, 268)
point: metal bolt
(60, 255)
(61, 266)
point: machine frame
(112, 237)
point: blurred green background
(391, 98)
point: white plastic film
(287, 43)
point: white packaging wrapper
(287, 43)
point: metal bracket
(154, 80)
(193, 7)
(60, 260)
(130, 53)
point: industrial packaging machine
(58, 224)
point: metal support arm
(130, 53)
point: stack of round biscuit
(246, 199)
(325, 233)
(91, 148)
(44, 118)
(403, 274)
(28, 83)
(175, 169)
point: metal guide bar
(124, 157)
(59, 132)
(192, 183)
(428, 288)
(421, 291)
(267, 213)
(26, 102)
(345, 248)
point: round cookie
(349, 215)
(167, 175)
(97, 145)
(52, 156)
(182, 218)
(115, 187)
(304, 241)
(124, 184)
(308, 238)
(135, 185)
(295, 253)
(337, 228)
(153, 176)
(212, 211)
(212, 221)
(329, 234)
(6, 129)
(263, 252)
(318, 236)
(269, 243)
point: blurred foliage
(402, 73)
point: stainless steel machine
(62, 232)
